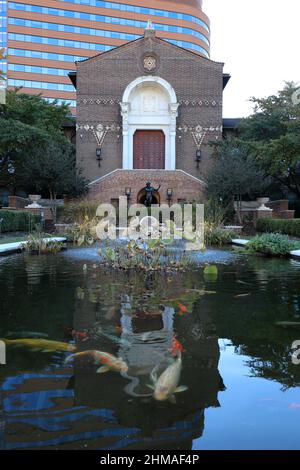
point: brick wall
(184, 186)
(198, 83)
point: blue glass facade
(141, 10)
(90, 17)
(45, 40)
(3, 31)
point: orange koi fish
(182, 309)
(176, 346)
(108, 361)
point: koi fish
(76, 334)
(176, 346)
(26, 334)
(42, 345)
(119, 341)
(287, 324)
(182, 309)
(109, 361)
(167, 384)
(241, 296)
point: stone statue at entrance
(149, 193)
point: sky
(259, 42)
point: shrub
(77, 211)
(18, 221)
(216, 236)
(286, 226)
(274, 244)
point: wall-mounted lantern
(198, 157)
(99, 156)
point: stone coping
(8, 248)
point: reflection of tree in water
(273, 363)
(251, 323)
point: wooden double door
(149, 150)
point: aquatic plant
(273, 244)
(38, 243)
(144, 255)
(83, 233)
(217, 236)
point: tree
(34, 152)
(52, 169)
(273, 135)
(234, 175)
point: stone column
(171, 161)
(127, 164)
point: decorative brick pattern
(102, 80)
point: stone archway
(149, 103)
(141, 197)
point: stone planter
(262, 201)
(34, 198)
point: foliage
(274, 244)
(18, 221)
(34, 152)
(285, 226)
(273, 135)
(234, 174)
(84, 233)
(78, 211)
(53, 169)
(39, 243)
(217, 236)
(144, 255)
(214, 212)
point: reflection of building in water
(56, 409)
(146, 342)
(75, 408)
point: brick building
(146, 111)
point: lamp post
(169, 195)
(128, 193)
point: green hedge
(286, 226)
(274, 244)
(17, 221)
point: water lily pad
(211, 272)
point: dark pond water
(243, 390)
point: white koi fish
(166, 385)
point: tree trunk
(53, 196)
(238, 209)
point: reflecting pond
(238, 386)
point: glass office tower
(46, 37)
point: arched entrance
(141, 198)
(149, 104)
